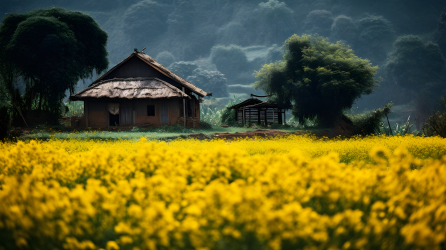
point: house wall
(96, 112)
(98, 115)
(173, 110)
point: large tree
(440, 32)
(416, 65)
(49, 50)
(317, 78)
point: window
(150, 110)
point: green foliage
(74, 109)
(416, 65)
(371, 122)
(317, 78)
(436, 124)
(50, 50)
(210, 116)
(228, 115)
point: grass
(160, 133)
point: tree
(230, 60)
(145, 21)
(210, 81)
(440, 33)
(317, 78)
(416, 65)
(344, 29)
(49, 50)
(376, 36)
(319, 22)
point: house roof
(246, 102)
(150, 61)
(130, 88)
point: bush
(436, 124)
(369, 123)
(210, 116)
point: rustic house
(255, 111)
(138, 91)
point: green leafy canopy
(317, 78)
(51, 50)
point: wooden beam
(273, 117)
(258, 116)
(243, 117)
(284, 116)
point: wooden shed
(138, 91)
(255, 111)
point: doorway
(113, 114)
(164, 115)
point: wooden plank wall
(251, 116)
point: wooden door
(126, 112)
(164, 114)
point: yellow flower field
(295, 192)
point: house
(259, 112)
(138, 91)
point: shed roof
(262, 105)
(130, 88)
(149, 60)
(246, 102)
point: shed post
(249, 116)
(274, 118)
(243, 117)
(184, 110)
(258, 116)
(284, 117)
(266, 117)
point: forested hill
(200, 30)
(189, 29)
